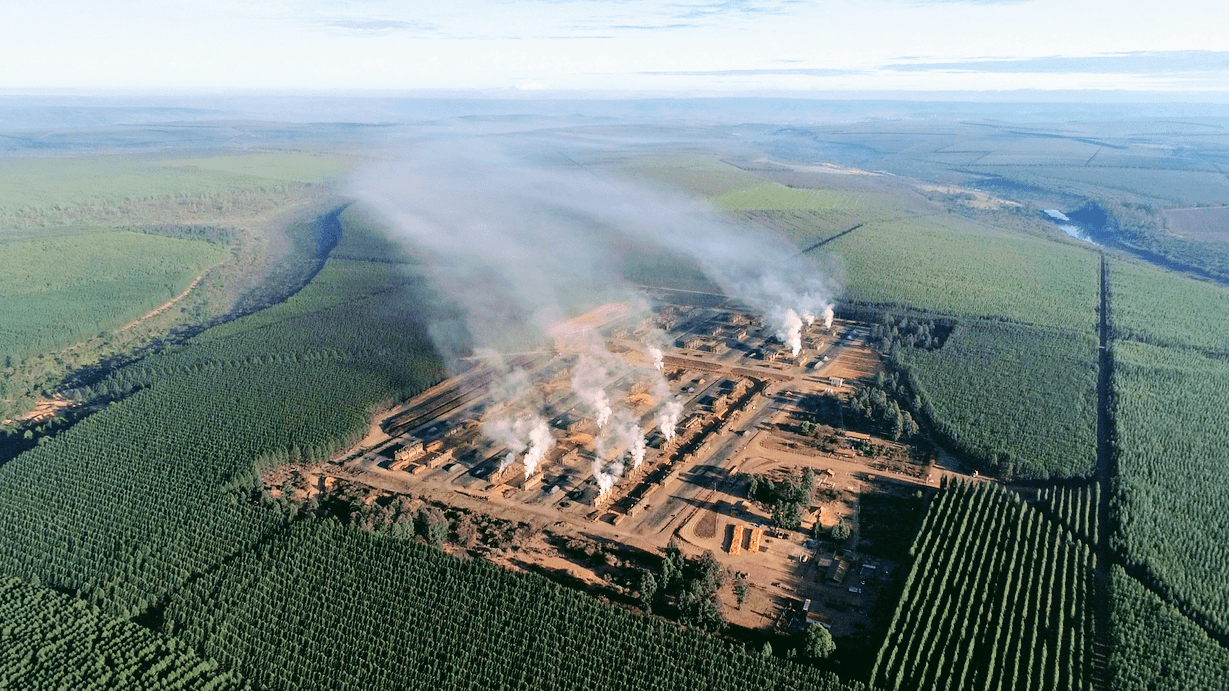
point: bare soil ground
(44, 409)
(1209, 224)
(854, 364)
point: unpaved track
(173, 300)
(1105, 478)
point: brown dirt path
(172, 301)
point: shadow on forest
(312, 240)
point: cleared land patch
(1208, 224)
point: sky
(616, 46)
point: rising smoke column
(655, 357)
(604, 474)
(516, 420)
(540, 443)
(670, 408)
(668, 417)
(589, 379)
(527, 433)
(628, 432)
(789, 328)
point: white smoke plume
(512, 240)
(668, 417)
(541, 441)
(605, 480)
(829, 314)
(628, 432)
(789, 328)
(516, 422)
(590, 377)
(604, 474)
(529, 435)
(513, 434)
(656, 357)
(669, 409)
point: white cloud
(701, 45)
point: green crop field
(1011, 396)
(695, 175)
(34, 189)
(61, 289)
(289, 166)
(1172, 417)
(1156, 306)
(332, 608)
(50, 640)
(999, 597)
(776, 197)
(1172, 375)
(956, 267)
(90, 244)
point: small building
(693, 342)
(439, 459)
(836, 381)
(527, 483)
(600, 498)
(409, 452)
(838, 571)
